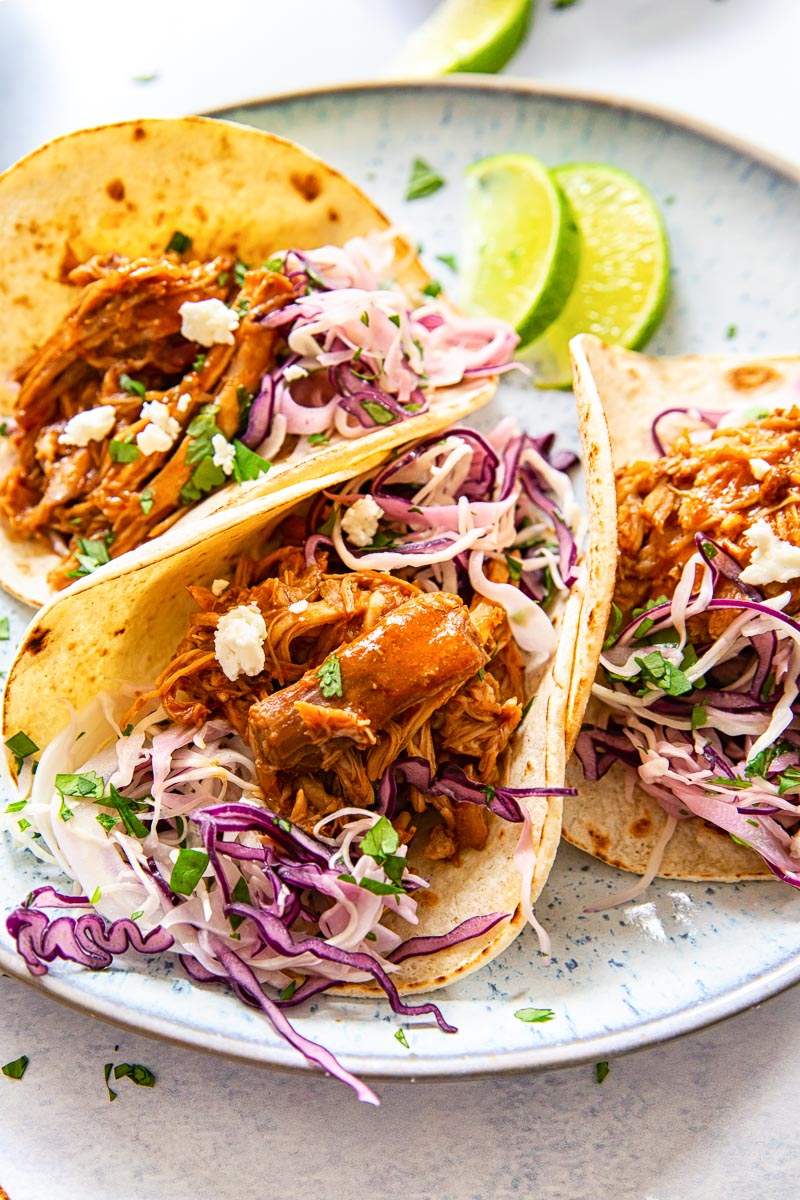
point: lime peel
(466, 35)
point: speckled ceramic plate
(686, 954)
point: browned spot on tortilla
(37, 641)
(115, 188)
(22, 301)
(751, 375)
(600, 841)
(118, 632)
(333, 216)
(307, 184)
(426, 898)
(200, 212)
(139, 133)
(641, 827)
(159, 218)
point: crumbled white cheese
(219, 586)
(208, 322)
(360, 522)
(158, 413)
(298, 607)
(760, 468)
(152, 440)
(239, 641)
(294, 372)
(161, 430)
(90, 426)
(773, 560)
(184, 403)
(224, 453)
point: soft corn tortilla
(127, 188)
(124, 622)
(603, 819)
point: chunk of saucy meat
(119, 348)
(360, 669)
(716, 484)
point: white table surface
(709, 1116)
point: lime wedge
(521, 245)
(466, 35)
(623, 277)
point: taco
(690, 759)
(343, 764)
(195, 310)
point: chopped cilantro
(365, 318)
(16, 806)
(289, 990)
(95, 896)
(107, 1069)
(370, 937)
(22, 747)
(91, 554)
(247, 464)
(17, 1068)
(274, 264)
(514, 568)
(127, 811)
(223, 277)
(4, 429)
(709, 549)
(122, 451)
(380, 840)
(242, 305)
(65, 812)
(132, 386)
(179, 242)
(200, 361)
(449, 260)
(141, 1076)
(318, 439)
(736, 784)
(614, 628)
(395, 319)
(187, 871)
(699, 717)
(239, 272)
(135, 915)
(106, 820)
(526, 708)
(423, 181)
(3, 629)
(481, 673)
(563, 3)
(330, 677)
(400, 1036)
(239, 895)
(379, 413)
(23, 824)
(89, 784)
(731, 331)
(760, 764)
(657, 672)
(432, 289)
(601, 1070)
(534, 1016)
(376, 886)
(788, 779)
(146, 501)
(200, 451)
(644, 627)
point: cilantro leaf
(239, 895)
(380, 414)
(247, 464)
(318, 439)
(601, 1070)
(381, 839)
(22, 747)
(91, 554)
(400, 1036)
(187, 871)
(122, 451)
(127, 811)
(788, 779)
(132, 386)
(534, 1016)
(179, 242)
(146, 501)
(423, 181)
(616, 624)
(657, 672)
(4, 635)
(88, 784)
(17, 1068)
(432, 289)
(449, 260)
(330, 677)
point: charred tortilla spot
(22, 301)
(200, 212)
(118, 632)
(139, 133)
(115, 189)
(600, 841)
(641, 827)
(333, 215)
(307, 184)
(751, 375)
(37, 641)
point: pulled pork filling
(359, 669)
(718, 487)
(121, 347)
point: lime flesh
(521, 246)
(622, 283)
(466, 35)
